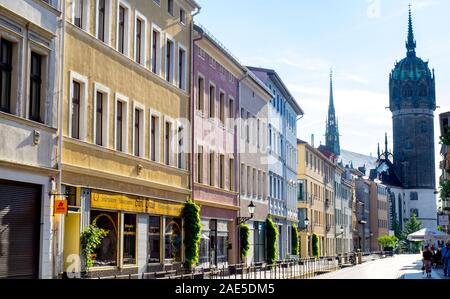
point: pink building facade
(215, 160)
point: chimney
(312, 140)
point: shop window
(154, 240)
(129, 239)
(222, 242)
(172, 239)
(106, 253)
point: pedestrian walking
(427, 260)
(446, 259)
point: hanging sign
(60, 207)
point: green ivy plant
(315, 245)
(295, 241)
(91, 238)
(192, 230)
(245, 240)
(445, 138)
(272, 237)
(445, 190)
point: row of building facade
(126, 109)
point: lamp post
(251, 211)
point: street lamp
(251, 210)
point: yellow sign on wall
(121, 202)
(117, 202)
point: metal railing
(288, 269)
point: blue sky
(359, 39)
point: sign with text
(443, 220)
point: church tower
(412, 103)
(332, 130)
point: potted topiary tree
(295, 241)
(245, 241)
(315, 245)
(192, 231)
(272, 237)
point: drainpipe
(238, 142)
(60, 98)
(193, 40)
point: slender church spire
(411, 43)
(386, 152)
(332, 130)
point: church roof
(385, 171)
(411, 67)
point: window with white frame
(200, 94)
(80, 14)
(101, 115)
(37, 96)
(182, 67)
(154, 137)
(156, 50)
(121, 123)
(168, 135)
(78, 106)
(222, 107)
(182, 16)
(170, 59)
(140, 39)
(243, 179)
(138, 129)
(170, 4)
(211, 173)
(103, 20)
(232, 184)
(212, 100)
(231, 112)
(123, 27)
(7, 76)
(222, 171)
(181, 150)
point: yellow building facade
(125, 132)
(312, 204)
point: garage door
(19, 230)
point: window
(170, 7)
(106, 253)
(249, 182)
(156, 50)
(232, 175)
(129, 239)
(138, 131)
(212, 100)
(211, 169)
(181, 68)
(123, 28)
(242, 181)
(181, 150)
(248, 127)
(102, 20)
(154, 139)
(222, 107)
(414, 196)
(200, 164)
(138, 41)
(172, 239)
(200, 94)
(101, 115)
(222, 171)
(5, 75)
(182, 16)
(35, 87)
(169, 60)
(78, 8)
(99, 119)
(121, 127)
(76, 87)
(231, 112)
(168, 136)
(154, 240)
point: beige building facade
(125, 133)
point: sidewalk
(414, 271)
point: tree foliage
(192, 231)
(411, 226)
(315, 245)
(245, 240)
(91, 238)
(388, 241)
(272, 237)
(445, 190)
(295, 241)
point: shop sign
(117, 202)
(443, 220)
(60, 207)
(156, 207)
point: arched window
(423, 90)
(407, 91)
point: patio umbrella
(428, 234)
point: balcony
(327, 203)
